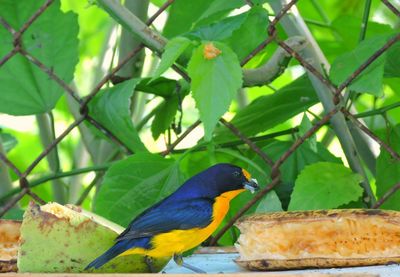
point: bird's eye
(236, 174)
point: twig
(29, 22)
(10, 165)
(12, 202)
(246, 140)
(51, 74)
(108, 134)
(370, 60)
(160, 11)
(9, 55)
(393, 153)
(50, 147)
(275, 66)
(245, 208)
(300, 140)
(392, 8)
(386, 196)
(178, 140)
(87, 190)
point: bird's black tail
(111, 253)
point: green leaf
(250, 34)
(134, 184)
(293, 165)
(219, 30)
(325, 185)
(268, 111)
(14, 214)
(174, 48)
(370, 80)
(306, 125)
(215, 83)
(183, 15)
(270, 203)
(161, 86)
(111, 107)
(347, 25)
(164, 116)
(221, 6)
(8, 141)
(25, 89)
(392, 64)
(388, 172)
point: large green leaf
(219, 30)
(250, 34)
(347, 25)
(173, 50)
(392, 64)
(370, 80)
(25, 89)
(290, 169)
(325, 185)
(183, 15)
(134, 184)
(111, 107)
(268, 111)
(388, 172)
(215, 82)
(164, 116)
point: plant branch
(47, 136)
(386, 196)
(157, 42)
(275, 66)
(123, 16)
(379, 111)
(55, 176)
(294, 25)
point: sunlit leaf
(325, 185)
(26, 89)
(215, 82)
(136, 183)
(111, 107)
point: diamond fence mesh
(273, 36)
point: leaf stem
(55, 176)
(364, 24)
(47, 136)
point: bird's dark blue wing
(165, 217)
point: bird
(184, 219)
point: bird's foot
(150, 265)
(179, 261)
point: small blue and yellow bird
(184, 219)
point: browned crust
(8, 266)
(284, 264)
(294, 216)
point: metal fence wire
(273, 36)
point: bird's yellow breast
(178, 241)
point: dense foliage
(147, 105)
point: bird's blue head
(219, 179)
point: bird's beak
(251, 185)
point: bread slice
(319, 239)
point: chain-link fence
(331, 110)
